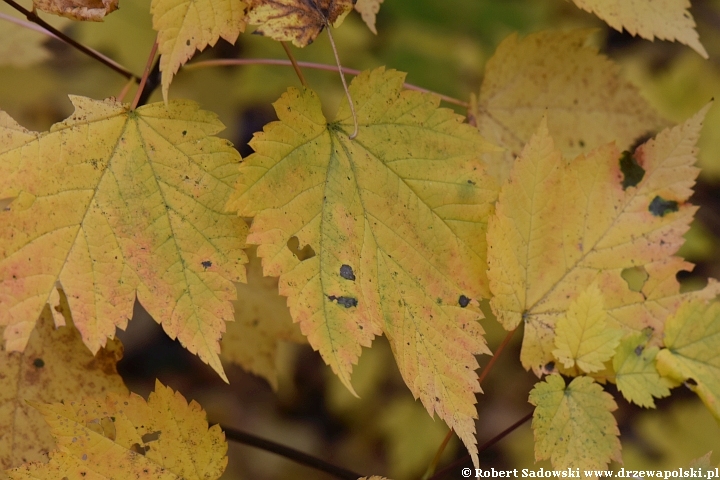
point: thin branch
(312, 65)
(483, 447)
(342, 77)
(33, 17)
(289, 453)
(433, 465)
(26, 24)
(148, 67)
(294, 64)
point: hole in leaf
(38, 363)
(302, 254)
(346, 302)
(635, 277)
(5, 203)
(346, 272)
(549, 368)
(463, 301)
(151, 437)
(661, 207)
(631, 169)
(691, 382)
(137, 448)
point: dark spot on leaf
(631, 169)
(549, 367)
(302, 254)
(463, 301)
(207, 264)
(581, 143)
(638, 350)
(346, 302)
(187, 42)
(137, 448)
(346, 272)
(471, 182)
(691, 382)
(661, 207)
(38, 363)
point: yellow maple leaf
(692, 341)
(369, 9)
(396, 218)
(663, 19)
(262, 320)
(298, 21)
(582, 335)
(636, 376)
(185, 26)
(558, 75)
(113, 204)
(573, 425)
(163, 438)
(560, 226)
(54, 367)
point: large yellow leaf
(396, 218)
(54, 367)
(692, 338)
(298, 21)
(560, 226)
(162, 439)
(262, 321)
(113, 204)
(185, 26)
(556, 74)
(663, 19)
(573, 424)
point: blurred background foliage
(443, 46)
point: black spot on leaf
(463, 301)
(346, 272)
(207, 264)
(631, 169)
(638, 350)
(661, 207)
(38, 363)
(346, 302)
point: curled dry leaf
(369, 9)
(298, 21)
(92, 10)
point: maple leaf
(573, 424)
(262, 320)
(663, 19)
(396, 218)
(163, 438)
(299, 21)
(636, 376)
(556, 74)
(114, 203)
(582, 336)
(56, 366)
(692, 338)
(185, 26)
(560, 226)
(369, 9)
(92, 10)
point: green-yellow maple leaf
(636, 376)
(692, 338)
(56, 366)
(161, 439)
(114, 204)
(558, 75)
(296, 21)
(663, 19)
(583, 336)
(559, 226)
(397, 219)
(573, 424)
(185, 26)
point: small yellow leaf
(116, 204)
(636, 376)
(692, 341)
(164, 439)
(663, 19)
(299, 21)
(92, 10)
(54, 367)
(262, 320)
(560, 226)
(558, 75)
(369, 9)
(396, 219)
(583, 336)
(573, 425)
(185, 26)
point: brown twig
(148, 67)
(34, 18)
(312, 65)
(294, 64)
